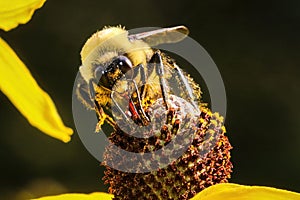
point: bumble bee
(122, 71)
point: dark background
(255, 45)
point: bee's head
(107, 74)
(111, 52)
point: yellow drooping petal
(15, 12)
(231, 191)
(23, 91)
(92, 196)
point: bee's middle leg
(156, 60)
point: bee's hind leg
(187, 87)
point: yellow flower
(223, 191)
(230, 191)
(76, 196)
(17, 83)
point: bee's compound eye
(99, 71)
(124, 64)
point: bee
(123, 73)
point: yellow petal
(23, 91)
(15, 12)
(92, 196)
(231, 191)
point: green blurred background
(254, 43)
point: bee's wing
(82, 92)
(161, 36)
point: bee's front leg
(101, 115)
(135, 105)
(118, 108)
